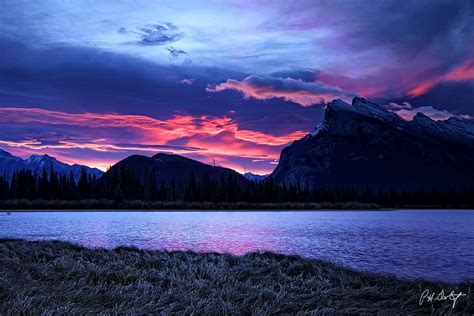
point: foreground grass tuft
(46, 277)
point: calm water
(435, 244)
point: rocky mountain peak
(363, 143)
(45, 160)
(36, 163)
(422, 119)
(362, 107)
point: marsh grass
(46, 277)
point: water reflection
(429, 244)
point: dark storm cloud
(89, 79)
(404, 26)
(409, 46)
(74, 79)
(413, 26)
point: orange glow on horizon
(119, 135)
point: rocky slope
(364, 144)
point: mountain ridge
(364, 144)
(35, 163)
(357, 144)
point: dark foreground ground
(57, 277)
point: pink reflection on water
(97, 233)
(209, 233)
(399, 242)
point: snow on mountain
(365, 144)
(460, 126)
(36, 163)
(453, 128)
(374, 110)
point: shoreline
(138, 205)
(55, 276)
(189, 210)
(4, 212)
(157, 206)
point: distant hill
(363, 144)
(10, 164)
(168, 167)
(168, 172)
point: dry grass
(48, 277)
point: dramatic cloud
(463, 72)
(39, 129)
(79, 80)
(293, 90)
(305, 52)
(387, 49)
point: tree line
(48, 185)
(127, 185)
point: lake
(430, 244)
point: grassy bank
(178, 205)
(49, 276)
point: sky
(224, 82)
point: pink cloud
(463, 72)
(293, 90)
(120, 134)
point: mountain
(363, 144)
(9, 164)
(166, 170)
(255, 177)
